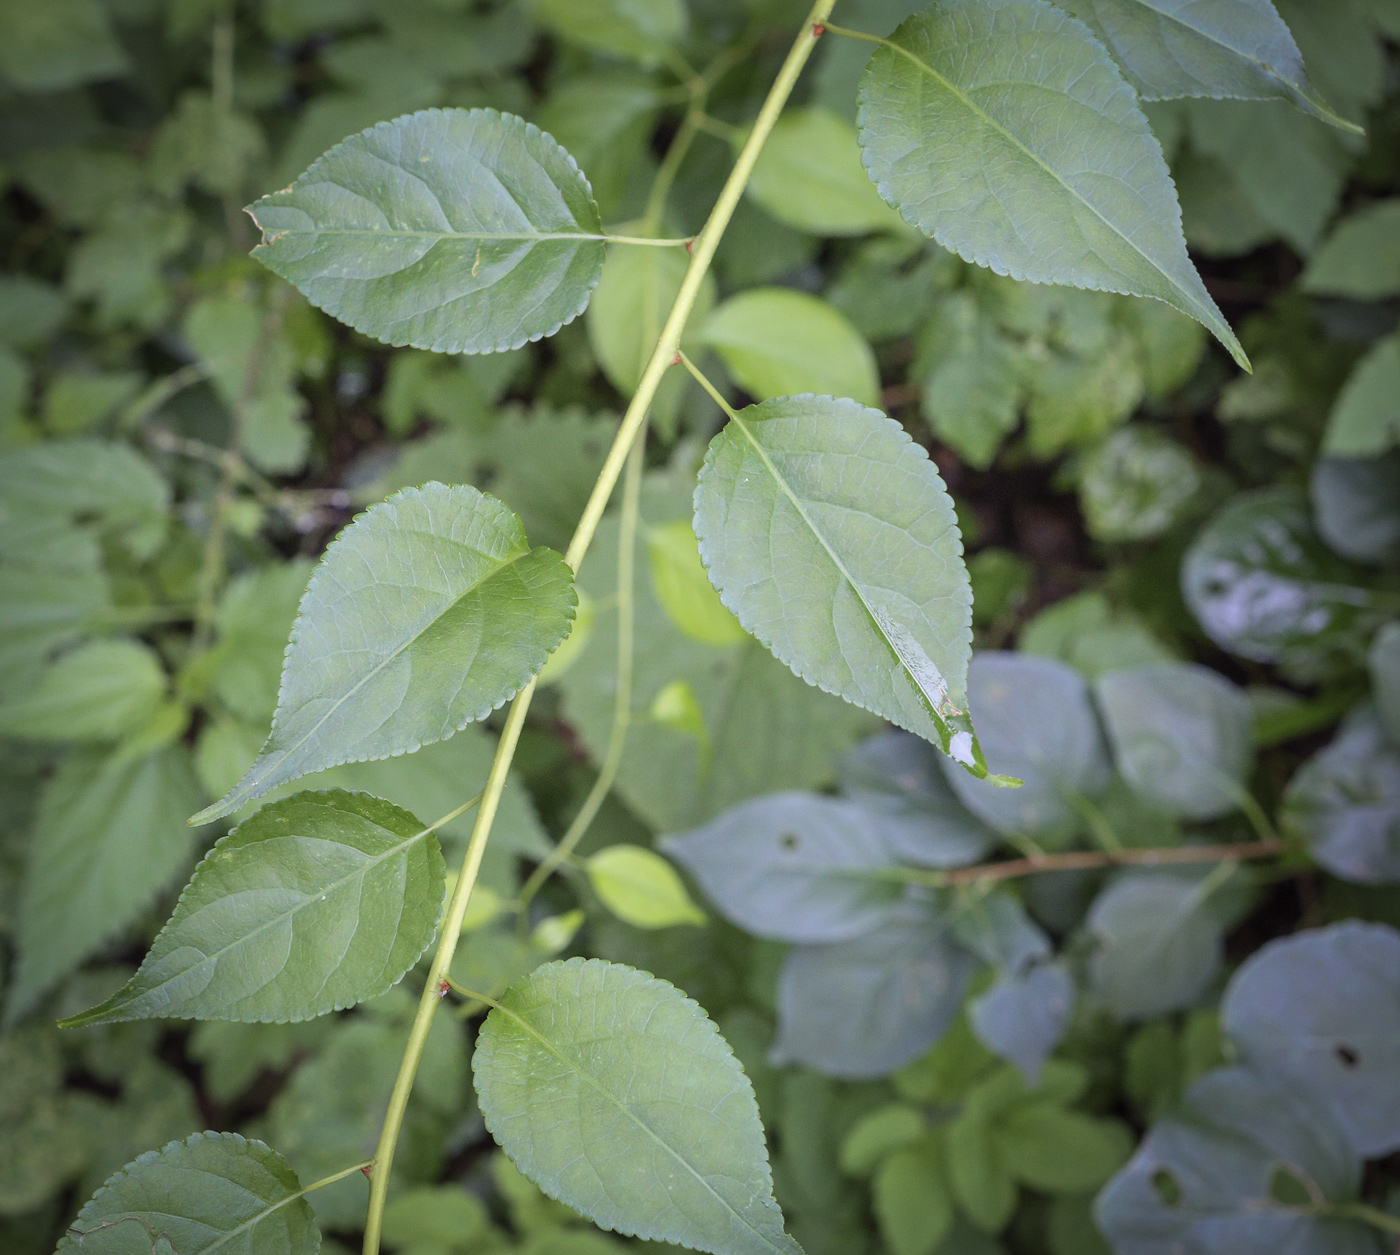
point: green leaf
(885, 1129)
(76, 401)
(44, 1136)
(459, 230)
(316, 903)
(616, 1095)
(606, 122)
(641, 30)
(896, 778)
(639, 285)
(1061, 1152)
(1024, 1016)
(684, 590)
(30, 310)
(1361, 258)
(1383, 662)
(1236, 48)
(641, 888)
(1263, 586)
(101, 691)
(425, 614)
(830, 535)
(1135, 484)
(1181, 736)
(792, 867)
(1364, 420)
(1158, 947)
(44, 608)
(435, 1216)
(48, 47)
(1036, 722)
(1202, 1181)
(867, 1006)
(779, 342)
(809, 176)
(211, 1191)
(1086, 632)
(912, 1201)
(1320, 1010)
(254, 616)
(110, 835)
(1356, 506)
(1041, 167)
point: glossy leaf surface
(1002, 129)
(456, 230)
(317, 902)
(425, 614)
(615, 1094)
(830, 535)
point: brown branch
(1089, 860)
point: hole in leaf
(788, 841)
(1288, 1190)
(1167, 1187)
(1347, 1054)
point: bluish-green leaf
(1023, 1017)
(317, 902)
(1002, 129)
(425, 614)
(615, 1094)
(457, 230)
(1364, 421)
(213, 1191)
(1356, 505)
(864, 1007)
(1180, 734)
(1361, 258)
(830, 535)
(1233, 48)
(1321, 1010)
(793, 867)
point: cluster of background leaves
(940, 1068)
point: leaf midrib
(1271, 70)
(321, 894)
(977, 111)
(244, 791)
(273, 234)
(840, 566)
(641, 1124)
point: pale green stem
(622, 701)
(700, 377)
(670, 166)
(1364, 1212)
(662, 357)
(642, 239)
(1097, 821)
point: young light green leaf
(641, 30)
(1227, 48)
(1361, 258)
(1364, 420)
(641, 888)
(110, 835)
(809, 176)
(317, 902)
(830, 535)
(425, 614)
(457, 230)
(684, 590)
(779, 342)
(99, 692)
(615, 1094)
(1135, 484)
(1039, 165)
(912, 1201)
(211, 1191)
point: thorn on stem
(690, 245)
(818, 30)
(368, 1170)
(443, 987)
(676, 361)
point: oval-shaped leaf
(1363, 421)
(1240, 49)
(1322, 1010)
(792, 867)
(1203, 1180)
(867, 1006)
(456, 230)
(317, 902)
(1036, 721)
(101, 691)
(615, 1094)
(1002, 129)
(641, 888)
(828, 532)
(1356, 505)
(1361, 257)
(1181, 736)
(778, 341)
(809, 176)
(425, 614)
(212, 1191)
(684, 590)
(643, 30)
